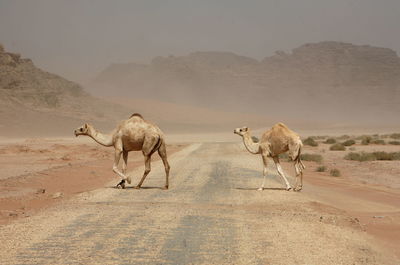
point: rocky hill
(326, 80)
(35, 102)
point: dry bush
(311, 157)
(386, 155)
(334, 172)
(394, 142)
(366, 140)
(310, 141)
(330, 141)
(337, 147)
(349, 142)
(319, 137)
(362, 156)
(284, 156)
(381, 155)
(321, 169)
(344, 137)
(378, 141)
(395, 136)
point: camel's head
(241, 131)
(83, 130)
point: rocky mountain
(326, 80)
(35, 102)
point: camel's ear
(245, 129)
(86, 125)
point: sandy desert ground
(58, 206)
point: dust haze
(311, 64)
(329, 70)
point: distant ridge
(31, 97)
(339, 80)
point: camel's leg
(297, 170)
(150, 145)
(295, 153)
(265, 171)
(117, 157)
(299, 176)
(147, 160)
(280, 171)
(125, 165)
(163, 154)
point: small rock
(57, 195)
(379, 216)
(38, 191)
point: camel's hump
(136, 115)
(280, 124)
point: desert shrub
(366, 140)
(344, 137)
(359, 156)
(330, 141)
(310, 141)
(311, 157)
(363, 156)
(377, 141)
(334, 172)
(394, 142)
(337, 147)
(284, 156)
(255, 139)
(395, 136)
(349, 142)
(386, 156)
(321, 169)
(319, 137)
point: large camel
(134, 134)
(275, 141)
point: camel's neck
(103, 139)
(251, 146)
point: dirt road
(212, 214)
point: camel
(133, 134)
(278, 140)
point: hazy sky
(77, 39)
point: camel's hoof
(137, 187)
(260, 189)
(298, 188)
(165, 187)
(121, 185)
(289, 188)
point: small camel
(275, 141)
(134, 134)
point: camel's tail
(157, 145)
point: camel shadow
(133, 188)
(147, 188)
(257, 188)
